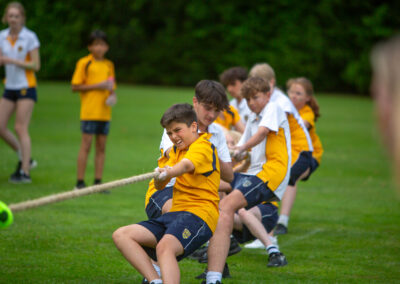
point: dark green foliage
(180, 42)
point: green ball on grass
(6, 216)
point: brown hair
(182, 113)
(254, 85)
(229, 76)
(308, 87)
(212, 93)
(262, 70)
(15, 5)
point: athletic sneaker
(225, 273)
(80, 185)
(197, 254)
(233, 249)
(257, 244)
(276, 259)
(32, 165)
(97, 182)
(21, 177)
(145, 281)
(205, 282)
(280, 229)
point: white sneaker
(256, 244)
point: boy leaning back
(267, 133)
(194, 213)
(93, 78)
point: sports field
(344, 226)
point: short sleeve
(79, 77)
(33, 42)
(203, 157)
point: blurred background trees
(179, 42)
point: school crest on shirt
(186, 234)
(246, 183)
(19, 48)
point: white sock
(156, 281)
(284, 220)
(213, 276)
(272, 249)
(157, 268)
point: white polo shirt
(270, 159)
(242, 108)
(17, 77)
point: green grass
(344, 226)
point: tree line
(179, 42)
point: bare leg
(252, 219)
(168, 249)
(219, 243)
(7, 107)
(83, 154)
(129, 241)
(100, 155)
(23, 116)
(290, 195)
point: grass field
(344, 226)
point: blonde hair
(308, 87)
(15, 5)
(385, 60)
(262, 70)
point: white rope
(76, 193)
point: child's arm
(33, 64)
(184, 166)
(253, 141)
(104, 85)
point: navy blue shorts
(314, 166)
(254, 189)
(300, 166)
(15, 95)
(157, 201)
(95, 127)
(269, 218)
(191, 231)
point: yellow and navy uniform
(18, 78)
(229, 118)
(301, 140)
(197, 192)
(270, 159)
(89, 71)
(308, 115)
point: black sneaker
(145, 281)
(205, 282)
(97, 182)
(280, 229)
(225, 273)
(80, 185)
(276, 259)
(20, 177)
(197, 254)
(234, 248)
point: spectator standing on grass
(19, 53)
(94, 79)
(385, 88)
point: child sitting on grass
(194, 213)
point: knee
(162, 249)
(20, 129)
(118, 235)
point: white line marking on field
(299, 238)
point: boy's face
(258, 101)
(234, 89)
(298, 95)
(98, 48)
(181, 134)
(206, 113)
